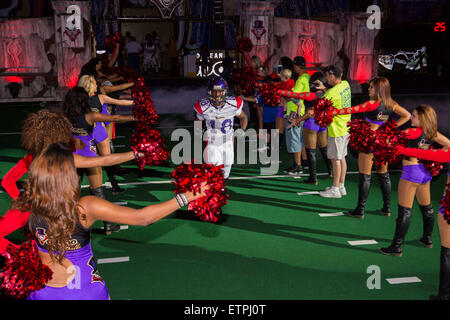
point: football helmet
(217, 91)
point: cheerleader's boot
(385, 184)
(401, 228)
(363, 193)
(444, 276)
(428, 224)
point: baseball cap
(299, 61)
(334, 69)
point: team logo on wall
(166, 7)
(258, 29)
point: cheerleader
(313, 134)
(41, 129)
(61, 225)
(102, 103)
(443, 219)
(378, 110)
(415, 179)
(87, 133)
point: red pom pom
(387, 138)
(323, 109)
(244, 44)
(189, 177)
(432, 167)
(269, 94)
(112, 39)
(23, 272)
(150, 143)
(445, 204)
(361, 136)
(245, 79)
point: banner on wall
(258, 30)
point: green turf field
(272, 244)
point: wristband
(183, 197)
(179, 202)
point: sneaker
(296, 171)
(287, 170)
(342, 191)
(330, 192)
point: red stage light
(12, 79)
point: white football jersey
(219, 120)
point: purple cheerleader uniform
(97, 106)
(89, 135)
(417, 173)
(87, 283)
(312, 125)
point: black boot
(363, 193)
(109, 226)
(111, 172)
(323, 151)
(428, 224)
(444, 276)
(385, 184)
(312, 163)
(401, 228)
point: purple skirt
(99, 133)
(105, 111)
(280, 112)
(312, 125)
(86, 285)
(416, 173)
(89, 150)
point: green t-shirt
(341, 97)
(301, 85)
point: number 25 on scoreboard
(439, 27)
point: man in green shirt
(340, 96)
(296, 108)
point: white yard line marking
(403, 280)
(307, 193)
(362, 242)
(113, 260)
(333, 214)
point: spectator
(204, 56)
(157, 57)
(295, 109)
(340, 95)
(133, 50)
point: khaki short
(337, 147)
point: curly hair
(43, 128)
(53, 173)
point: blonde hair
(88, 83)
(286, 73)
